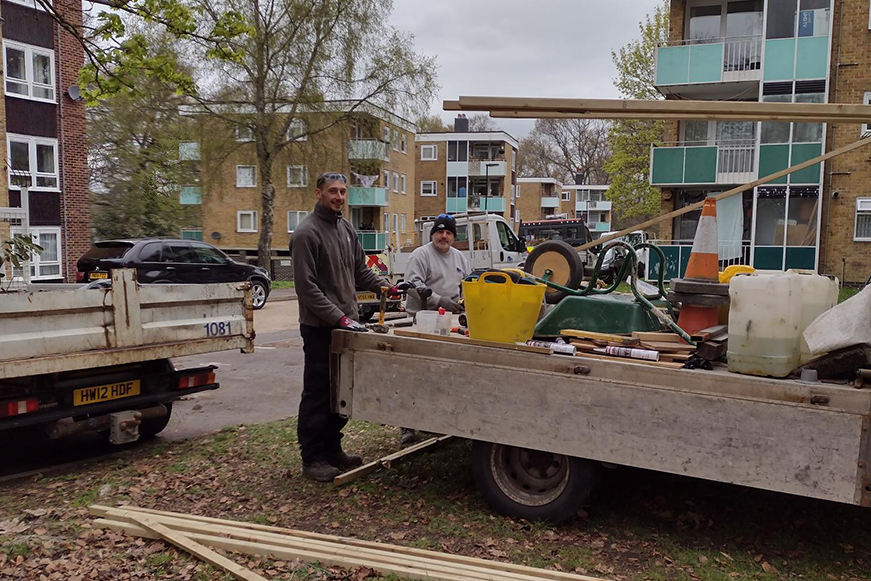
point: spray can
(631, 353)
(560, 348)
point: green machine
(587, 307)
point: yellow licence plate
(89, 395)
(95, 275)
(362, 297)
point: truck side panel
(510, 398)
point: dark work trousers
(319, 429)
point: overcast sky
(529, 48)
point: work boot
(346, 461)
(320, 470)
(406, 436)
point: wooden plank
(467, 341)
(98, 510)
(737, 116)
(675, 347)
(706, 334)
(194, 548)
(665, 364)
(386, 461)
(658, 337)
(621, 339)
(794, 448)
(830, 112)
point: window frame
(193, 153)
(181, 193)
(30, 4)
(395, 140)
(35, 261)
(435, 188)
(403, 142)
(403, 223)
(304, 183)
(395, 182)
(297, 121)
(435, 152)
(242, 139)
(194, 230)
(860, 211)
(29, 51)
(239, 214)
(253, 173)
(300, 214)
(866, 100)
(565, 195)
(32, 143)
(386, 177)
(403, 183)
(385, 133)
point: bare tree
(564, 148)
(482, 122)
(305, 57)
(432, 124)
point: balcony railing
(550, 202)
(677, 254)
(488, 204)
(368, 149)
(372, 240)
(361, 197)
(724, 162)
(487, 168)
(714, 60)
(599, 226)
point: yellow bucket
(499, 310)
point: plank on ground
(371, 467)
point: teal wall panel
(668, 165)
(803, 152)
(672, 65)
(779, 59)
(802, 257)
(700, 165)
(457, 205)
(773, 158)
(768, 258)
(812, 60)
(706, 63)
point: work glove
(394, 293)
(450, 305)
(349, 324)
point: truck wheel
(152, 427)
(536, 486)
(563, 260)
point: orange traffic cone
(702, 266)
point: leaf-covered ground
(641, 525)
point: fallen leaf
(35, 512)
(757, 558)
(362, 573)
(397, 536)
(597, 545)
(768, 568)
(703, 559)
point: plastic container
(818, 295)
(497, 309)
(433, 323)
(764, 323)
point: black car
(166, 260)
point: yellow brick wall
(431, 171)
(402, 163)
(529, 202)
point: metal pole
(25, 224)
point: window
(428, 188)
(188, 151)
(863, 220)
(403, 143)
(29, 71)
(186, 234)
(402, 183)
(387, 179)
(386, 222)
(246, 176)
(458, 151)
(395, 182)
(402, 229)
(293, 220)
(429, 152)
(206, 254)
(386, 133)
(517, 215)
(516, 192)
(29, 4)
(244, 133)
(246, 221)
(151, 251)
(297, 176)
(297, 131)
(179, 252)
(395, 140)
(32, 157)
(396, 222)
(565, 196)
(45, 265)
(866, 100)
(191, 195)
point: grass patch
(282, 284)
(845, 292)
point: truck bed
(66, 330)
(810, 440)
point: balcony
(368, 149)
(487, 168)
(373, 241)
(729, 162)
(360, 197)
(489, 204)
(684, 64)
(599, 226)
(550, 202)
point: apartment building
(42, 119)
(782, 51)
(373, 148)
(465, 171)
(548, 198)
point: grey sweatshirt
(328, 266)
(442, 272)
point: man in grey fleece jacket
(328, 266)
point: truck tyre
(563, 260)
(152, 427)
(536, 486)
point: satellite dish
(216, 235)
(75, 93)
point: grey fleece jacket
(328, 266)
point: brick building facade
(45, 135)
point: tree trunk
(267, 199)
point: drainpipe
(63, 156)
(834, 129)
